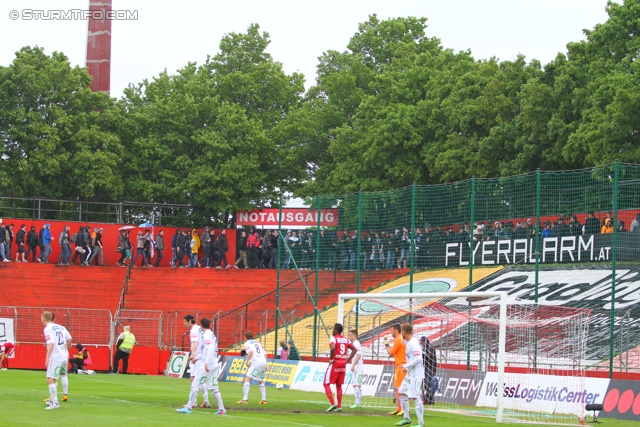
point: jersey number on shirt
(343, 349)
(60, 338)
(257, 349)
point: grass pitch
(132, 400)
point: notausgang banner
(278, 371)
(298, 218)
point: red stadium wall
(109, 238)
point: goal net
(496, 356)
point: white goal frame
(502, 330)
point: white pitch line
(273, 421)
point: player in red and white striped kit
(337, 368)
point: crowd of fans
(337, 249)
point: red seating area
(209, 291)
(205, 291)
(48, 286)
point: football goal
(497, 356)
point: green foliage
(395, 108)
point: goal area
(497, 356)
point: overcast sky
(168, 34)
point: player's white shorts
(212, 377)
(198, 373)
(358, 376)
(412, 387)
(57, 367)
(257, 370)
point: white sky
(168, 34)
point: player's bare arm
(354, 350)
(49, 350)
(248, 360)
(332, 352)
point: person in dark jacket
(273, 247)
(591, 225)
(429, 386)
(223, 245)
(159, 247)
(253, 248)
(3, 243)
(242, 250)
(20, 238)
(32, 243)
(179, 249)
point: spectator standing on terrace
(223, 244)
(273, 247)
(390, 246)
(65, 245)
(575, 228)
(635, 225)
(242, 250)
(206, 242)
(178, 249)
(86, 236)
(591, 224)
(40, 244)
(98, 252)
(344, 249)
(621, 228)
(3, 243)
(548, 231)
(20, 237)
(123, 248)
(253, 248)
(32, 243)
(46, 242)
(140, 250)
(195, 248)
(353, 249)
(365, 246)
(607, 228)
(174, 253)
(266, 250)
(561, 229)
(159, 247)
(10, 236)
(293, 242)
(405, 246)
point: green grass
(128, 400)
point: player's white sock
(205, 393)
(420, 411)
(358, 393)
(193, 397)
(53, 393)
(245, 390)
(263, 391)
(64, 379)
(218, 396)
(404, 403)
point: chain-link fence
(567, 238)
(87, 326)
(146, 325)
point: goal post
(498, 356)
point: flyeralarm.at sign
(291, 217)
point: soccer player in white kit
(256, 367)
(58, 342)
(357, 368)
(211, 367)
(196, 365)
(411, 387)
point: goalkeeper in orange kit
(398, 352)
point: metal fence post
(358, 251)
(537, 230)
(280, 239)
(314, 344)
(614, 255)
